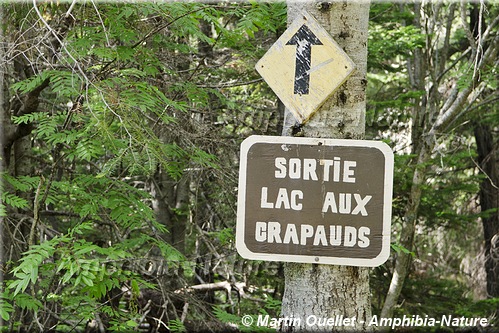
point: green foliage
(64, 83)
(76, 264)
(27, 270)
(78, 267)
(130, 96)
(271, 306)
(267, 17)
(176, 326)
(225, 236)
(13, 200)
(21, 184)
(442, 297)
(233, 319)
(391, 39)
(451, 182)
(30, 84)
(400, 248)
(480, 309)
(122, 326)
(27, 302)
(5, 307)
(29, 118)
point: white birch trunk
(326, 291)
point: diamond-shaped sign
(305, 66)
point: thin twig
(231, 84)
(481, 170)
(36, 209)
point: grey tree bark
(328, 291)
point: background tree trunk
(2, 157)
(489, 202)
(327, 290)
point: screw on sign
(314, 200)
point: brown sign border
(317, 259)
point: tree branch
(36, 216)
(449, 114)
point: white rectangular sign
(315, 200)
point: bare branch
(448, 115)
(229, 84)
(36, 208)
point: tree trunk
(169, 202)
(489, 202)
(416, 66)
(2, 157)
(407, 234)
(330, 291)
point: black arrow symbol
(304, 38)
